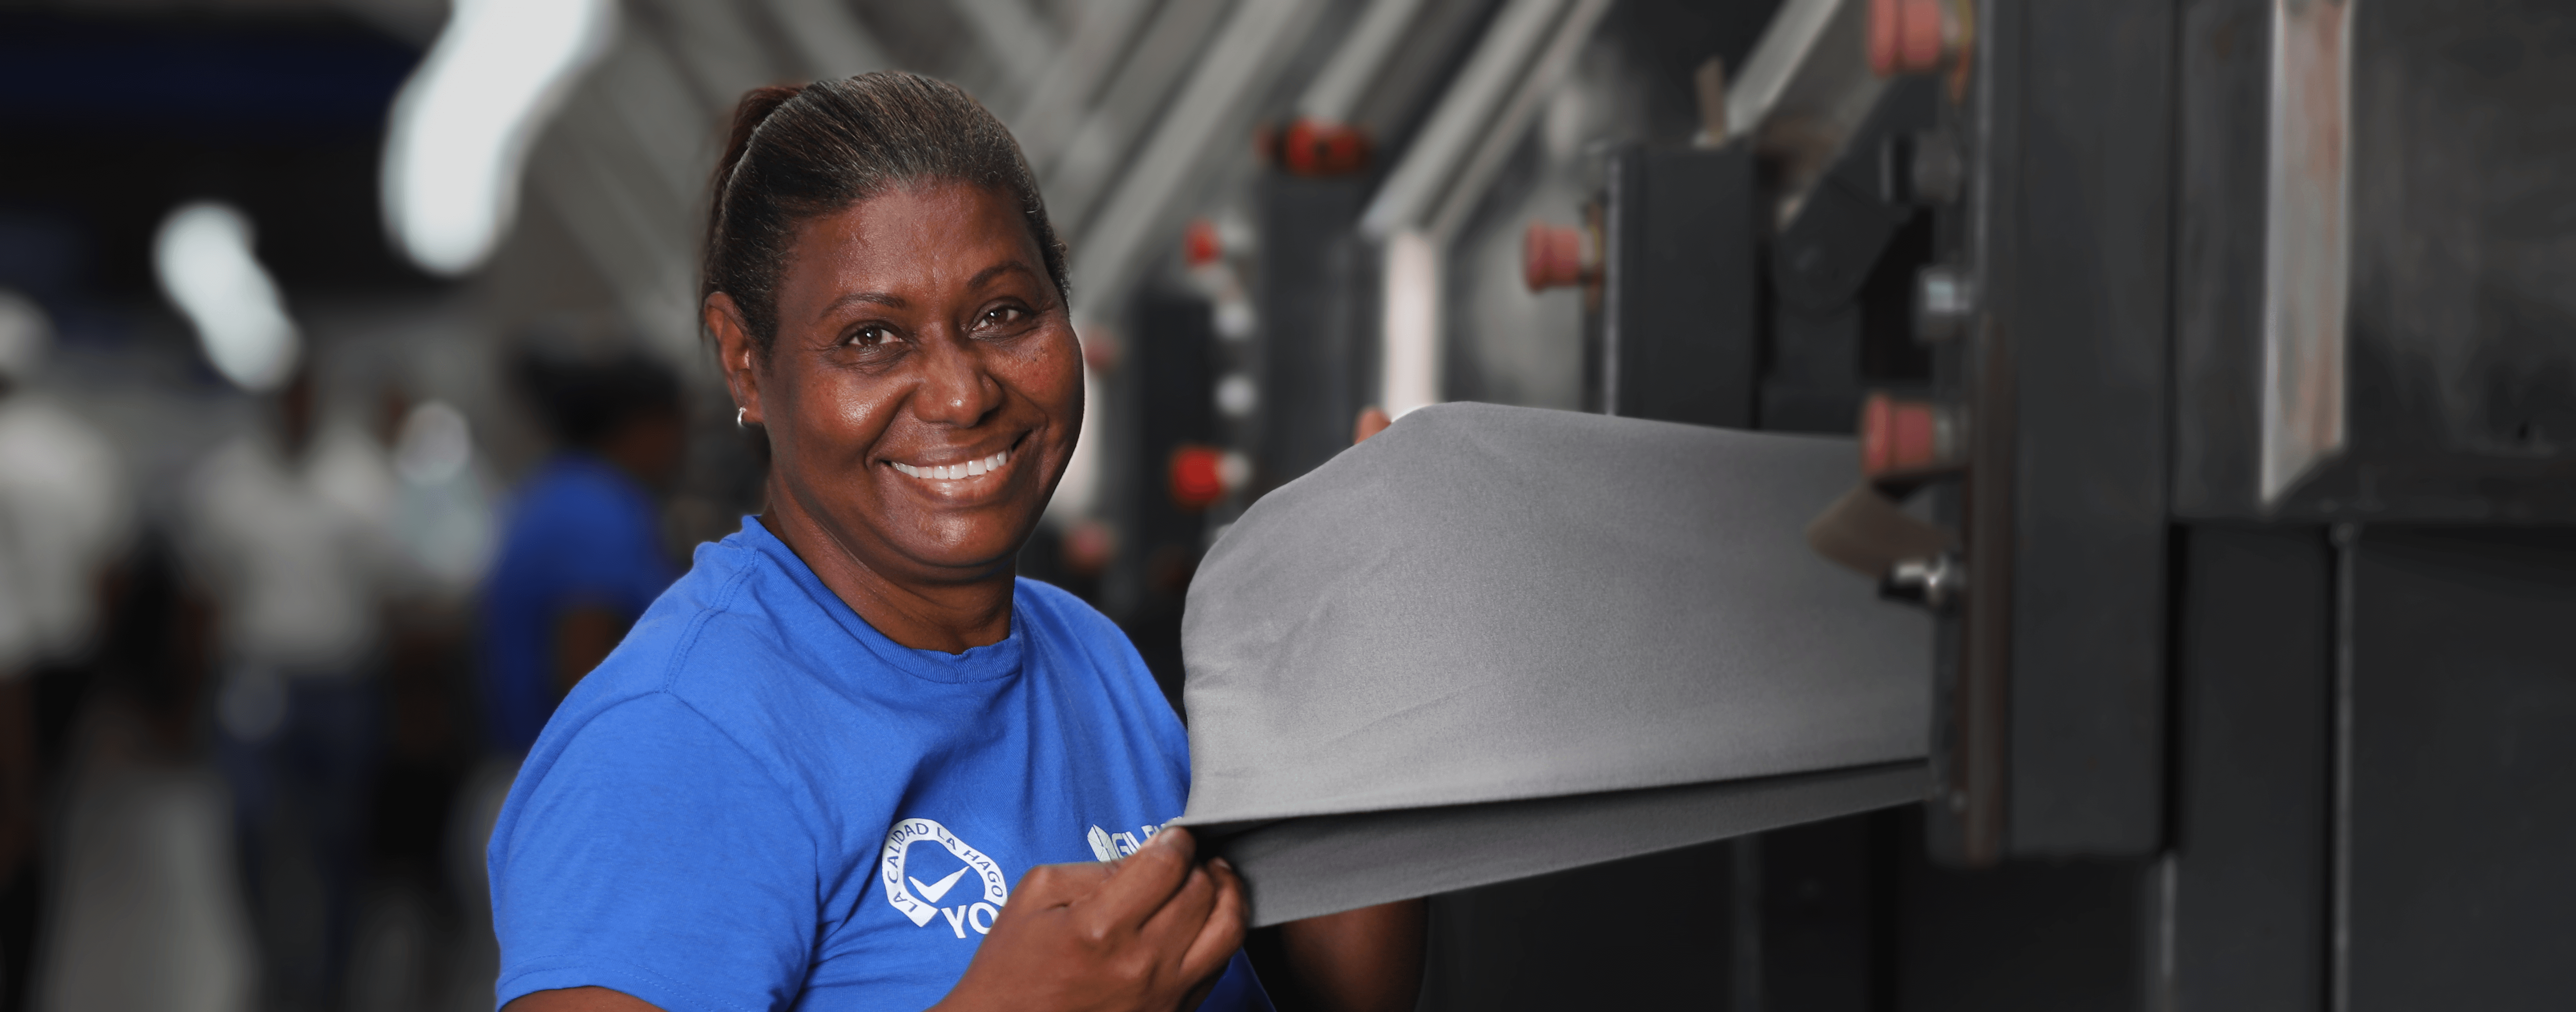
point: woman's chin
(981, 546)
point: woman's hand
(1149, 933)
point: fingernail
(1222, 863)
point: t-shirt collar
(977, 664)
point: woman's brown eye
(868, 337)
(998, 317)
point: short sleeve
(653, 856)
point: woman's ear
(735, 354)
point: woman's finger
(1222, 933)
(1372, 420)
(1170, 930)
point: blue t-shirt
(761, 802)
(582, 534)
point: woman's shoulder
(728, 623)
(1064, 625)
(710, 658)
(1053, 612)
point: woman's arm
(1365, 960)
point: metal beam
(1356, 65)
(721, 53)
(1804, 90)
(1076, 175)
(639, 87)
(1050, 113)
(1020, 41)
(1415, 187)
(829, 40)
(1247, 55)
(1545, 73)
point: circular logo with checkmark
(912, 890)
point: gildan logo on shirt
(1109, 846)
(921, 900)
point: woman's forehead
(936, 235)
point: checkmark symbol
(934, 891)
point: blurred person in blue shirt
(581, 554)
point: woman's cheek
(859, 409)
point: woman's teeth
(951, 472)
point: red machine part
(1203, 475)
(1317, 148)
(1907, 437)
(1555, 256)
(1200, 245)
(1913, 36)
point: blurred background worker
(284, 528)
(64, 519)
(581, 555)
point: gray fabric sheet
(1487, 605)
(1298, 868)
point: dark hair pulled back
(796, 152)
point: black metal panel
(1311, 355)
(1175, 375)
(1825, 899)
(2225, 54)
(2027, 936)
(1649, 932)
(1821, 363)
(2461, 888)
(2255, 696)
(1973, 722)
(1847, 218)
(2463, 328)
(1679, 302)
(2088, 316)
(1813, 380)
(2459, 381)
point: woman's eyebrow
(886, 299)
(893, 301)
(986, 276)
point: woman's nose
(955, 388)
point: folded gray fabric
(1486, 605)
(1298, 868)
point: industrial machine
(2213, 369)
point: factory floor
(149, 912)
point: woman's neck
(949, 615)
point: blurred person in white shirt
(65, 517)
(286, 530)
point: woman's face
(925, 387)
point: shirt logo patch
(1109, 846)
(919, 900)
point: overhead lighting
(464, 122)
(204, 260)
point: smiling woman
(925, 369)
(850, 761)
